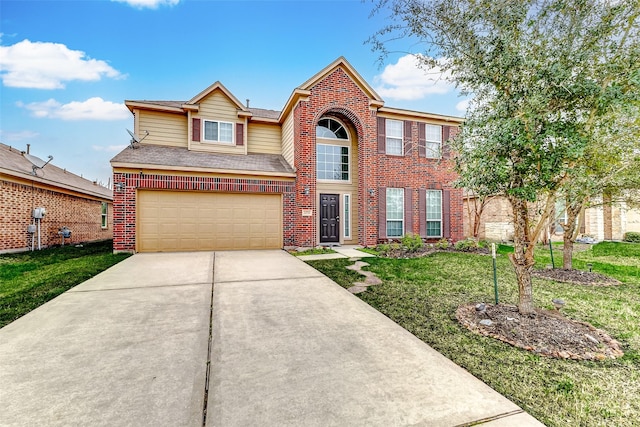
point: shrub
(442, 244)
(632, 236)
(467, 244)
(412, 242)
(383, 248)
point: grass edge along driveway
(30, 279)
(422, 295)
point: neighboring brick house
(70, 201)
(335, 166)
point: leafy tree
(542, 74)
(609, 171)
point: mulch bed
(545, 332)
(428, 250)
(577, 277)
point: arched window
(331, 129)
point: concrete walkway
(347, 251)
(288, 347)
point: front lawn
(422, 295)
(29, 279)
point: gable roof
(14, 164)
(208, 91)
(342, 62)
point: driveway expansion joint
(277, 279)
(131, 288)
(482, 421)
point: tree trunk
(522, 257)
(573, 211)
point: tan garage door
(189, 221)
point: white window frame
(104, 215)
(394, 192)
(432, 139)
(345, 181)
(394, 137)
(346, 218)
(433, 219)
(219, 122)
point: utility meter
(39, 213)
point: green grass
(29, 279)
(422, 295)
(313, 251)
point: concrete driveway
(241, 338)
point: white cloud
(44, 65)
(92, 109)
(109, 148)
(407, 80)
(17, 136)
(150, 4)
(463, 105)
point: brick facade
(337, 95)
(80, 214)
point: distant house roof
(157, 155)
(13, 163)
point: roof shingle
(182, 157)
(13, 163)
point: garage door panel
(190, 221)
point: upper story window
(332, 162)
(394, 135)
(433, 141)
(333, 159)
(331, 129)
(221, 132)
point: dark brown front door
(329, 218)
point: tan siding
(164, 128)
(266, 139)
(287, 140)
(218, 107)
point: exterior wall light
(305, 191)
(372, 192)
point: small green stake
(495, 273)
(553, 263)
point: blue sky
(66, 67)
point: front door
(329, 218)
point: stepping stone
(372, 281)
(357, 289)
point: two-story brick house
(335, 166)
